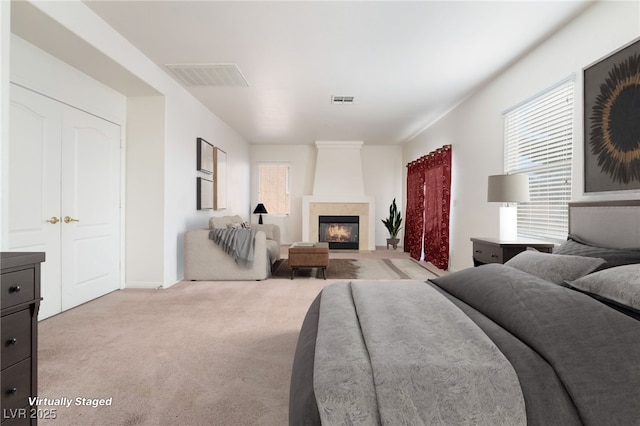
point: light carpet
(198, 353)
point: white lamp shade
(508, 188)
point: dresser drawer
(17, 287)
(16, 385)
(16, 337)
(487, 253)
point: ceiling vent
(342, 99)
(219, 75)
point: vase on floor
(393, 242)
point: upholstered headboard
(613, 224)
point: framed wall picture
(220, 179)
(612, 121)
(204, 156)
(204, 194)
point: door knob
(53, 220)
(68, 219)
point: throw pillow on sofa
(223, 221)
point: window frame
(287, 190)
(545, 154)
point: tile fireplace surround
(363, 207)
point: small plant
(393, 222)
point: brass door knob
(53, 220)
(68, 219)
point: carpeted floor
(198, 353)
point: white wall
(144, 191)
(172, 208)
(5, 48)
(184, 126)
(382, 171)
(381, 168)
(474, 128)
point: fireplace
(341, 232)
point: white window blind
(538, 137)
(273, 188)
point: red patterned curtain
(427, 213)
(414, 216)
(437, 207)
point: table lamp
(508, 189)
(259, 210)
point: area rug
(362, 269)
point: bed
(544, 339)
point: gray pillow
(614, 257)
(555, 268)
(620, 285)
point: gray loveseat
(204, 260)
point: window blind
(538, 137)
(273, 188)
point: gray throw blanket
(399, 353)
(238, 243)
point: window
(273, 188)
(538, 137)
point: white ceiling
(405, 63)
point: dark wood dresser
(20, 301)
(491, 250)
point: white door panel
(34, 186)
(90, 202)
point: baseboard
(151, 285)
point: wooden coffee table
(309, 255)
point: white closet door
(64, 163)
(34, 186)
(90, 207)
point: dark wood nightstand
(493, 250)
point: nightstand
(493, 250)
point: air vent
(342, 99)
(220, 75)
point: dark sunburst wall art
(612, 122)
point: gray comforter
(576, 360)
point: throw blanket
(401, 353)
(238, 243)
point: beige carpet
(198, 353)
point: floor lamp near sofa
(508, 189)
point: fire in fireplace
(341, 232)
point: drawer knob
(12, 341)
(494, 256)
(14, 289)
(12, 391)
(478, 251)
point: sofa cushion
(223, 221)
